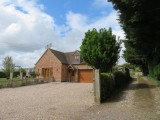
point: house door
(72, 76)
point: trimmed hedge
(121, 79)
(107, 86)
(111, 82)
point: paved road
(140, 101)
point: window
(76, 57)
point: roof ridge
(56, 50)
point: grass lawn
(15, 82)
(4, 79)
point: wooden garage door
(85, 76)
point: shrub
(154, 71)
(110, 82)
(2, 75)
(107, 85)
(16, 74)
(32, 74)
(121, 78)
(158, 76)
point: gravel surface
(75, 101)
(140, 101)
(51, 101)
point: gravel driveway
(75, 101)
(140, 101)
(51, 101)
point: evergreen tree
(100, 49)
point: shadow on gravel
(141, 86)
(119, 94)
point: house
(61, 66)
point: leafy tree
(133, 56)
(140, 21)
(33, 74)
(23, 71)
(8, 66)
(100, 49)
(16, 74)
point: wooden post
(97, 86)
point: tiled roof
(60, 55)
(68, 56)
(64, 57)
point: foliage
(121, 79)
(154, 80)
(100, 49)
(23, 72)
(112, 82)
(16, 74)
(140, 21)
(107, 86)
(133, 56)
(155, 71)
(2, 75)
(128, 65)
(32, 74)
(8, 65)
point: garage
(85, 76)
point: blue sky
(27, 26)
(90, 8)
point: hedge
(121, 79)
(2, 75)
(111, 82)
(107, 86)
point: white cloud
(76, 21)
(79, 24)
(25, 29)
(13, 29)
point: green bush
(154, 71)
(107, 86)
(2, 75)
(32, 74)
(110, 82)
(121, 78)
(16, 74)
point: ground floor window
(47, 72)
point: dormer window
(76, 57)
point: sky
(27, 26)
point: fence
(24, 82)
